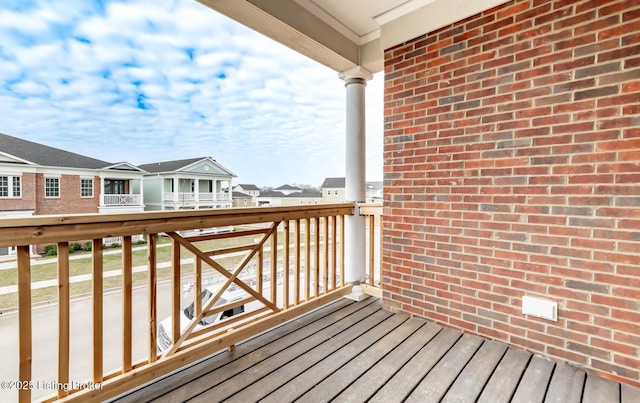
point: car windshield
(204, 297)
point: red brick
(526, 143)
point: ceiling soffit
(342, 34)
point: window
(52, 187)
(10, 186)
(114, 187)
(86, 187)
(4, 186)
(17, 188)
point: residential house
(511, 159)
(279, 198)
(239, 199)
(333, 191)
(247, 189)
(196, 183)
(36, 179)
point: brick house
(511, 160)
(36, 179)
(512, 168)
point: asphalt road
(45, 339)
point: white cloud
(78, 74)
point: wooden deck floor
(355, 352)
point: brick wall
(69, 201)
(512, 167)
(28, 199)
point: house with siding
(195, 183)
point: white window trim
(10, 188)
(92, 188)
(45, 187)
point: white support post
(355, 186)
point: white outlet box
(541, 308)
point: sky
(146, 81)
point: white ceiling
(346, 33)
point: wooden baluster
(372, 238)
(151, 283)
(24, 320)
(316, 265)
(197, 284)
(175, 291)
(285, 275)
(380, 249)
(325, 271)
(63, 316)
(296, 278)
(274, 267)
(127, 302)
(98, 345)
(334, 257)
(307, 259)
(342, 251)
(260, 272)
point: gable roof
(168, 166)
(246, 186)
(333, 183)
(179, 165)
(240, 195)
(39, 154)
(287, 187)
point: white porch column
(175, 190)
(355, 187)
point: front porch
(352, 351)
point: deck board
(566, 385)
(375, 377)
(433, 387)
(534, 382)
(598, 390)
(351, 351)
(340, 369)
(472, 380)
(409, 376)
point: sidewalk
(77, 279)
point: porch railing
(188, 197)
(373, 276)
(121, 200)
(283, 261)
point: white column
(355, 187)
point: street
(45, 339)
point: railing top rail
(57, 228)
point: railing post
(355, 185)
(24, 321)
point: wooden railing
(283, 261)
(373, 277)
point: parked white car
(186, 315)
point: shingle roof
(288, 187)
(333, 183)
(240, 195)
(169, 166)
(247, 186)
(47, 156)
